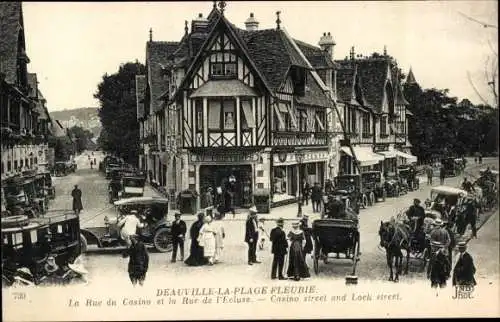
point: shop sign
(227, 158)
(379, 147)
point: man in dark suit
(463, 273)
(279, 249)
(178, 236)
(252, 236)
(316, 196)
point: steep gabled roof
(313, 94)
(345, 84)
(10, 25)
(399, 98)
(272, 53)
(410, 79)
(140, 88)
(158, 56)
(315, 55)
(373, 73)
(33, 85)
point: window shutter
(247, 111)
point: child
(263, 231)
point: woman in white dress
(206, 239)
(219, 239)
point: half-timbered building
(24, 117)
(243, 107)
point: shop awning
(218, 88)
(411, 158)
(364, 155)
(388, 154)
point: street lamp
(299, 156)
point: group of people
(442, 242)
(207, 241)
(315, 193)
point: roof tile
(10, 24)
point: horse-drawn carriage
(488, 182)
(394, 185)
(337, 232)
(373, 186)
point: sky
(71, 45)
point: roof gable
(316, 56)
(10, 26)
(374, 74)
(33, 85)
(314, 94)
(158, 57)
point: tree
(118, 112)
(63, 147)
(81, 138)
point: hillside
(85, 117)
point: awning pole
(356, 162)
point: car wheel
(162, 240)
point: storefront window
(199, 115)
(279, 186)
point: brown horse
(395, 237)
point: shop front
(368, 160)
(288, 173)
(389, 164)
(231, 173)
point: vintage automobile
(20, 195)
(132, 185)
(444, 195)
(40, 250)
(350, 184)
(156, 230)
(405, 174)
(394, 185)
(61, 168)
(373, 186)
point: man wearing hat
(128, 226)
(439, 267)
(416, 214)
(76, 193)
(279, 249)
(463, 273)
(439, 234)
(252, 236)
(178, 230)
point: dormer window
(298, 75)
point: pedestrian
(475, 159)
(297, 267)
(463, 273)
(480, 159)
(138, 263)
(430, 174)
(196, 257)
(178, 236)
(306, 190)
(316, 197)
(128, 226)
(442, 175)
(229, 202)
(262, 233)
(308, 247)
(206, 239)
(279, 249)
(439, 266)
(220, 235)
(252, 236)
(77, 200)
(209, 200)
(91, 165)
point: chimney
(199, 25)
(352, 53)
(251, 23)
(327, 43)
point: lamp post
(299, 156)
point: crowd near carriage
(154, 230)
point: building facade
(257, 110)
(24, 117)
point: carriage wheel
(364, 202)
(316, 264)
(373, 199)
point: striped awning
(364, 155)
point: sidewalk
(485, 251)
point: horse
(395, 237)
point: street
(109, 264)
